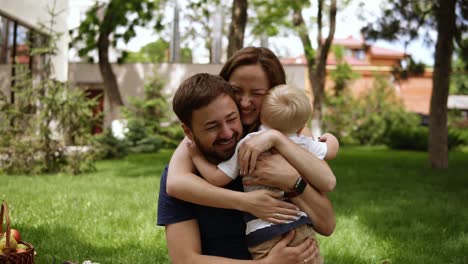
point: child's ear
(187, 131)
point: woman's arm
(332, 145)
(209, 171)
(319, 209)
(275, 171)
(183, 184)
(315, 171)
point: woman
(252, 72)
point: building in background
(369, 61)
(20, 30)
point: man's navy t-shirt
(222, 231)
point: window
(23, 43)
(4, 39)
(16, 42)
(359, 54)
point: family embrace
(246, 122)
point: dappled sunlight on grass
(108, 216)
(354, 243)
(390, 207)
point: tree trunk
(237, 28)
(316, 125)
(175, 37)
(316, 62)
(111, 87)
(438, 134)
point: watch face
(300, 186)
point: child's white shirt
(231, 167)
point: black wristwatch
(297, 189)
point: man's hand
(281, 253)
(274, 171)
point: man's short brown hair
(196, 92)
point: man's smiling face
(216, 128)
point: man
(198, 234)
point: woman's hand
(273, 171)
(300, 254)
(252, 147)
(265, 205)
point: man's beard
(214, 156)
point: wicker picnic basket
(11, 256)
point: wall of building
(415, 91)
(132, 77)
(416, 94)
(33, 12)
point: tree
(288, 15)
(106, 24)
(316, 59)
(155, 52)
(406, 19)
(343, 74)
(459, 77)
(237, 27)
(201, 18)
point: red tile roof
(353, 43)
(388, 53)
(349, 42)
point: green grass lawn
(108, 216)
(389, 205)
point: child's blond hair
(286, 109)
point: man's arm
(184, 246)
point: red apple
(15, 234)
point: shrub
(339, 116)
(149, 120)
(416, 138)
(110, 147)
(365, 120)
(45, 111)
(378, 109)
(409, 138)
(457, 137)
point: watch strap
(298, 188)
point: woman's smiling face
(250, 84)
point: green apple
(3, 246)
(23, 246)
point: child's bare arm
(332, 145)
(208, 171)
